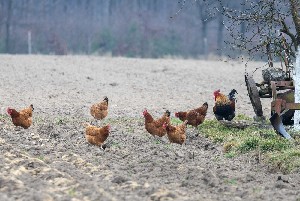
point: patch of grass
(4, 117)
(130, 130)
(216, 158)
(228, 146)
(168, 146)
(257, 190)
(38, 120)
(287, 160)
(242, 117)
(219, 139)
(60, 120)
(231, 181)
(281, 153)
(175, 121)
(115, 144)
(274, 145)
(42, 158)
(157, 141)
(122, 120)
(72, 192)
(230, 154)
(249, 144)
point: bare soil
(52, 160)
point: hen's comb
(8, 110)
(217, 91)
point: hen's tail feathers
(105, 99)
(32, 107)
(232, 93)
(103, 146)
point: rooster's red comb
(217, 91)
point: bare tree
(220, 31)
(261, 23)
(133, 27)
(207, 14)
(295, 10)
(8, 26)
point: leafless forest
(148, 28)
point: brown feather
(194, 117)
(155, 127)
(22, 118)
(96, 135)
(100, 110)
(176, 134)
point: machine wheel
(253, 95)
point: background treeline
(134, 28)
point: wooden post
(297, 90)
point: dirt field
(52, 161)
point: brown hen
(194, 117)
(155, 127)
(96, 135)
(23, 118)
(100, 110)
(176, 134)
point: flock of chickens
(224, 108)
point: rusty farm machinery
(277, 84)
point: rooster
(100, 110)
(176, 134)
(22, 118)
(96, 135)
(194, 117)
(155, 127)
(224, 107)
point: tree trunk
(204, 38)
(242, 26)
(243, 23)
(111, 7)
(220, 34)
(297, 91)
(7, 26)
(295, 9)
